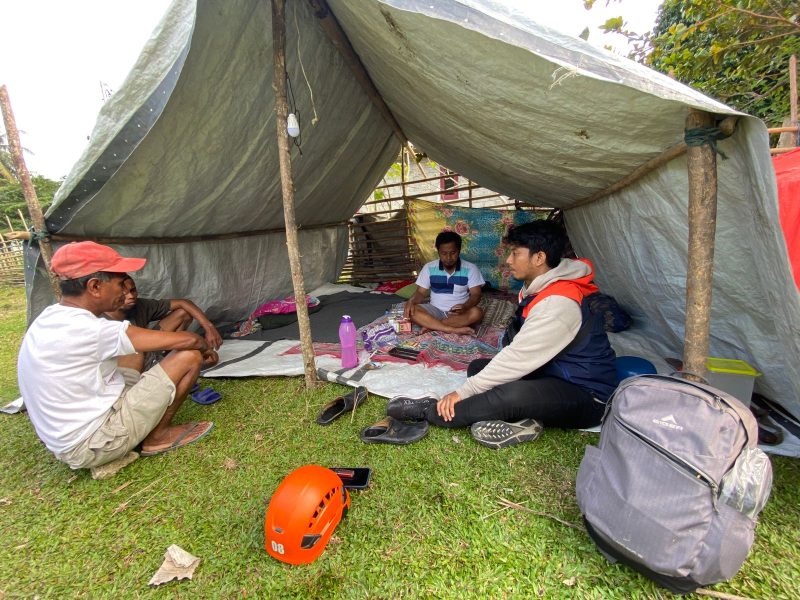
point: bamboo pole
(34, 209)
(24, 222)
(728, 126)
(149, 241)
(787, 129)
(339, 40)
(287, 187)
(702, 170)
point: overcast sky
(57, 53)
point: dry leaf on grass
(5, 501)
(178, 564)
(569, 582)
(259, 437)
(229, 464)
(122, 487)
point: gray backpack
(677, 482)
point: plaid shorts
(436, 313)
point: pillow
(273, 321)
(407, 291)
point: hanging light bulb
(292, 125)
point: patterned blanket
(436, 348)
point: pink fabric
(787, 173)
(282, 307)
(332, 349)
(392, 286)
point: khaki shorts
(134, 415)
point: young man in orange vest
(558, 369)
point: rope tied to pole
(700, 136)
(38, 236)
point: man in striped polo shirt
(455, 290)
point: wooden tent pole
(34, 209)
(702, 167)
(287, 187)
(151, 241)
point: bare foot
(175, 436)
(463, 330)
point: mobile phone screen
(356, 478)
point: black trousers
(553, 401)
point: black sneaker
(499, 434)
(409, 408)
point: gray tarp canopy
(187, 148)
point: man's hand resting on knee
(446, 406)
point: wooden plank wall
(381, 245)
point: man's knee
(177, 320)
(181, 315)
(179, 363)
(475, 315)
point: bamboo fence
(11, 262)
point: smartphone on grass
(354, 478)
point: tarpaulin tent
(182, 164)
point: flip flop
(338, 406)
(391, 431)
(207, 396)
(180, 442)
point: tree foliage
(12, 200)
(734, 50)
(7, 168)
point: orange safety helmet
(302, 514)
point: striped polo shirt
(449, 289)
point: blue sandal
(206, 396)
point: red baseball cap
(78, 259)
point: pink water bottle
(347, 338)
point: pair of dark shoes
(404, 422)
(341, 405)
(493, 434)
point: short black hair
(75, 287)
(447, 237)
(539, 236)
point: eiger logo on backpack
(668, 421)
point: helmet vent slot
(309, 541)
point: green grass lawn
(429, 526)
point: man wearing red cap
(77, 372)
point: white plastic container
(733, 376)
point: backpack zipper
(692, 470)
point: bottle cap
(346, 318)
